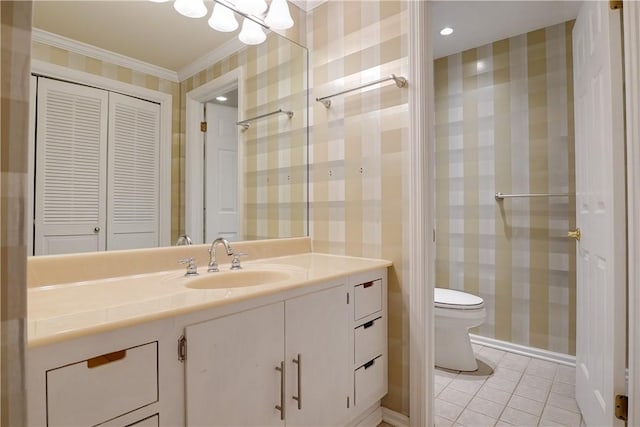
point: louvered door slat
(70, 173)
(133, 165)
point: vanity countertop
(71, 310)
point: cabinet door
(133, 165)
(317, 333)
(231, 376)
(71, 145)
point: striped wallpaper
(15, 40)
(360, 153)
(275, 148)
(504, 122)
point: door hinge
(347, 297)
(347, 402)
(621, 407)
(203, 126)
(615, 4)
(182, 348)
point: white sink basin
(236, 279)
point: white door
(600, 210)
(317, 338)
(133, 170)
(231, 376)
(71, 143)
(221, 166)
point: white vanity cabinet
(280, 364)
(311, 355)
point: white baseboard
(537, 353)
(394, 418)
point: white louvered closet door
(71, 143)
(133, 165)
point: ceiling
(155, 33)
(151, 32)
(477, 23)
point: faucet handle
(235, 262)
(192, 268)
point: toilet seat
(456, 300)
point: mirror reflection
(135, 135)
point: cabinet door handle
(280, 407)
(298, 361)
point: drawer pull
(368, 324)
(369, 364)
(367, 285)
(106, 358)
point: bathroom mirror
(265, 182)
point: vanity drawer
(369, 340)
(367, 298)
(369, 382)
(104, 387)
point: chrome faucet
(184, 240)
(213, 265)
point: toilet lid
(448, 298)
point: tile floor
(507, 390)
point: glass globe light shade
(279, 17)
(251, 32)
(223, 19)
(190, 8)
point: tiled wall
(15, 42)
(275, 161)
(359, 153)
(504, 122)
(64, 58)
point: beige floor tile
(566, 374)
(529, 406)
(546, 370)
(507, 374)
(561, 416)
(447, 410)
(564, 402)
(536, 382)
(493, 394)
(441, 422)
(470, 418)
(502, 384)
(455, 396)
(531, 392)
(486, 407)
(564, 389)
(514, 361)
(467, 384)
(518, 418)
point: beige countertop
(71, 310)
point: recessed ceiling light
(221, 98)
(446, 31)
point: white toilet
(455, 313)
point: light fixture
(223, 19)
(190, 8)
(251, 32)
(480, 66)
(446, 31)
(251, 7)
(255, 13)
(279, 17)
(221, 98)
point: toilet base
(453, 350)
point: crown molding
(207, 60)
(307, 5)
(81, 48)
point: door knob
(96, 230)
(574, 234)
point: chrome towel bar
(246, 123)
(500, 196)
(400, 82)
